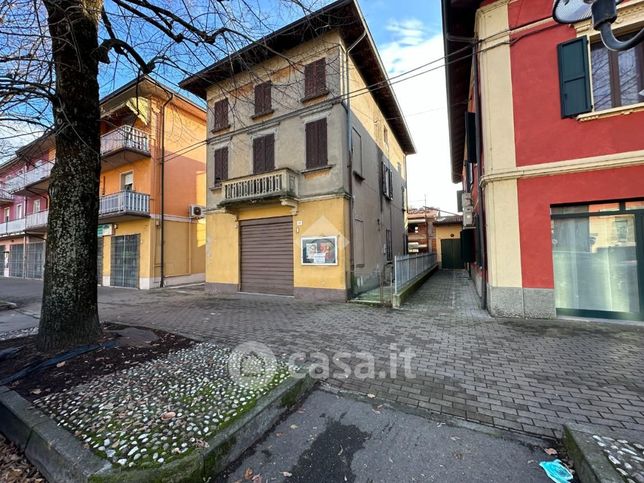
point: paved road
(529, 376)
(333, 439)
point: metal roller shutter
(267, 256)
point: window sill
(315, 96)
(215, 187)
(317, 169)
(615, 111)
(262, 114)
(220, 129)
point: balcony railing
(37, 220)
(13, 226)
(5, 195)
(125, 137)
(125, 202)
(28, 178)
(282, 182)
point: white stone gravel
(626, 456)
(119, 416)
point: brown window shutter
(311, 145)
(322, 143)
(258, 155)
(221, 165)
(309, 79)
(269, 156)
(320, 76)
(221, 114)
(263, 98)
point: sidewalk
(335, 439)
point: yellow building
(306, 162)
(152, 192)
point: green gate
(451, 257)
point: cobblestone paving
(530, 376)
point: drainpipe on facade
(349, 146)
(481, 200)
(162, 211)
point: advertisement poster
(320, 250)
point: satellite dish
(603, 13)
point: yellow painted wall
(143, 177)
(185, 248)
(319, 218)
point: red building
(547, 133)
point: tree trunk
(69, 314)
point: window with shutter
(618, 77)
(263, 154)
(387, 182)
(221, 115)
(221, 165)
(388, 245)
(315, 79)
(574, 77)
(263, 101)
(316, 144)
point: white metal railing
(125, 137)
(37, 219)
(280, 182)
(13, 226)
(125, 202)
(408, 268)
(22, 180)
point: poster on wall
(321, 250)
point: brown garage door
(267, 256)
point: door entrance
(124, 270)
(451, 258)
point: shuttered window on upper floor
(574, 77)
(264, 154)
(221, 166)
(221, 115)
(263, 101)
(316, 144)
(617, 77)
(315, 79)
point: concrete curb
(398, 299)
(591, 463)
(60, 457)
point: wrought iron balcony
(274, 184)
(124, 203)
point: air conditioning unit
(196, 211)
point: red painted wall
(537, 194)
(541, 135)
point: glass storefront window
(595, 263)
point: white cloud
(424, 105)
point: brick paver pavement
(530, 376)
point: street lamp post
(603, 13)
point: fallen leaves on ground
(286, 474)
(248, 474)
(551, 451)
(14, 467)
